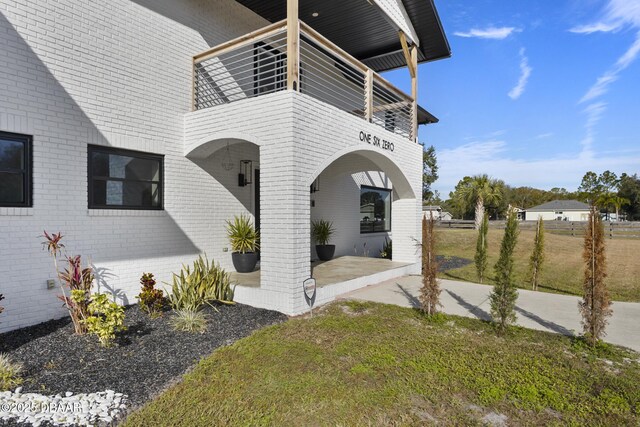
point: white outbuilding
(559, 210)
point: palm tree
(618, 202)
(479, 190)
(605, 200)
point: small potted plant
(244, 243)
(321, 232)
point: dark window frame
(388, 190)
(27, 171)
(129, 153)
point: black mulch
(146, 358)
(451, 262)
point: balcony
(283, 56)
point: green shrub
(187, 320)
(106, 318)
(202, 284)
(243, 235)
(151, 300)
(9, 373)
(321, 231)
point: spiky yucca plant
(321, 231)
(595, 306)
(202, 283)
(187, 320)
(243, 235)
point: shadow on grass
(546, 323)
(473, 309)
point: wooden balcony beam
(407, 54)
(293, 46)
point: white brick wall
(114, 73)
(118, 73)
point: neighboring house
(436, 213)
(138, 127)
(560, 210)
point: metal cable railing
(256, 64)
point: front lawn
(372, 364)
(563, 269)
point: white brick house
(182, 91)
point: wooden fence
(627, 230)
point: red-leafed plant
(77, 279)
(152, 300)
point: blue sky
(536, 92)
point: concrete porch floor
(337, 270)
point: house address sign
(376, 141)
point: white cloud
(601, 86)
(525, 73)
(617, 14)
(544, 135)
(497, 33)
(559, 171)
(597, 27)
(594, 114)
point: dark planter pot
(325, 252)
(244, 263)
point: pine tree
(595, 306)
(481, 248)
(537, 256)
(430, 291)
(504, 295)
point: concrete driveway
(536, 310)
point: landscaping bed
(143, 361)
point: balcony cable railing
(257, 64)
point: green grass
(563, 268)
(373, 364)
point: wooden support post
(407, 54)
(293, 46)
(368, 96)
(414, 93)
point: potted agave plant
(321, 232)
(244, 243)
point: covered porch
(327, 273)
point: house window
(375, 209)
(123, 179)
(15, 170)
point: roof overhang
(425, 117)
(364, 30)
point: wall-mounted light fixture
(244, 177)
(315, 186)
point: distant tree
(482, 248)
(478, 190)
(537, 256)
(430, 291)
(595, 305)
(590, 187)
(618, 202)
(629, 189)
(429, 172)
(504, 295)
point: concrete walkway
(536, 310)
